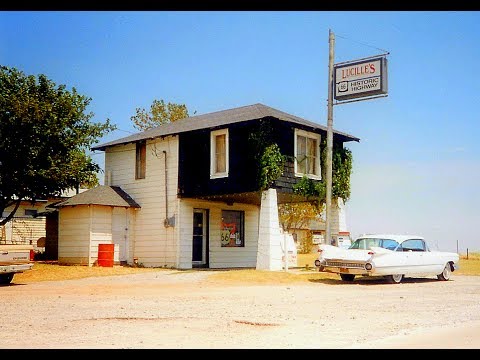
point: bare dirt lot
(172, 309)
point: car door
(416, 264)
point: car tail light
(320, 263)
(32, 255)
(371, 253)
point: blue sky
(416, 168)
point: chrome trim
(345, 264)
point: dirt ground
(189, 310)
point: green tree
(160, 113)
(45, 133)
(297, 215)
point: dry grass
(470, 256)
(53, 272)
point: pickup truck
(14, 259)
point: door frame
(120, 216)
(204, 263)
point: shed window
(140, 161)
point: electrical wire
(365, 44)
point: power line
(130, 132)
(362, 43)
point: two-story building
(186, 194)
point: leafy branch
(341, 171)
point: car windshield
(367, 243)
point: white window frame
(140, 166)
(213, 160)
(310, 135)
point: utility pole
(331, 56)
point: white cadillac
(391, 256)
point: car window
(359, 244)
(389, 244)
(367, 243)
(413, 245)
(372, 242)
(355, 244)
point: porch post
(269, 253)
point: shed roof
(216, 119)
(101, 195)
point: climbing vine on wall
(270, 160)
(341, 171)
(271, 164)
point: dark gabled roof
(101, 195)
(216, 119)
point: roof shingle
(101, 195)
(215, 119)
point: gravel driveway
(180, 310)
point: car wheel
(395, 279)
(445, 275)
(347, 277)
(6, 278)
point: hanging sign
(360, 78)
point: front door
(200, 238)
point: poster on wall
(231, 228)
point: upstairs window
(219, 153)
(140, 160)
(307, 154)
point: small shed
(101, 215)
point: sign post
(363, 78)
(331, 55)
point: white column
(342, 221)
(269, 254)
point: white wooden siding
(74, 235)
(152, 243)
(101, 232)
(219, 257)
(24, 229)
(39, 206)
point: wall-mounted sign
(361, 78)
(232, 228)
